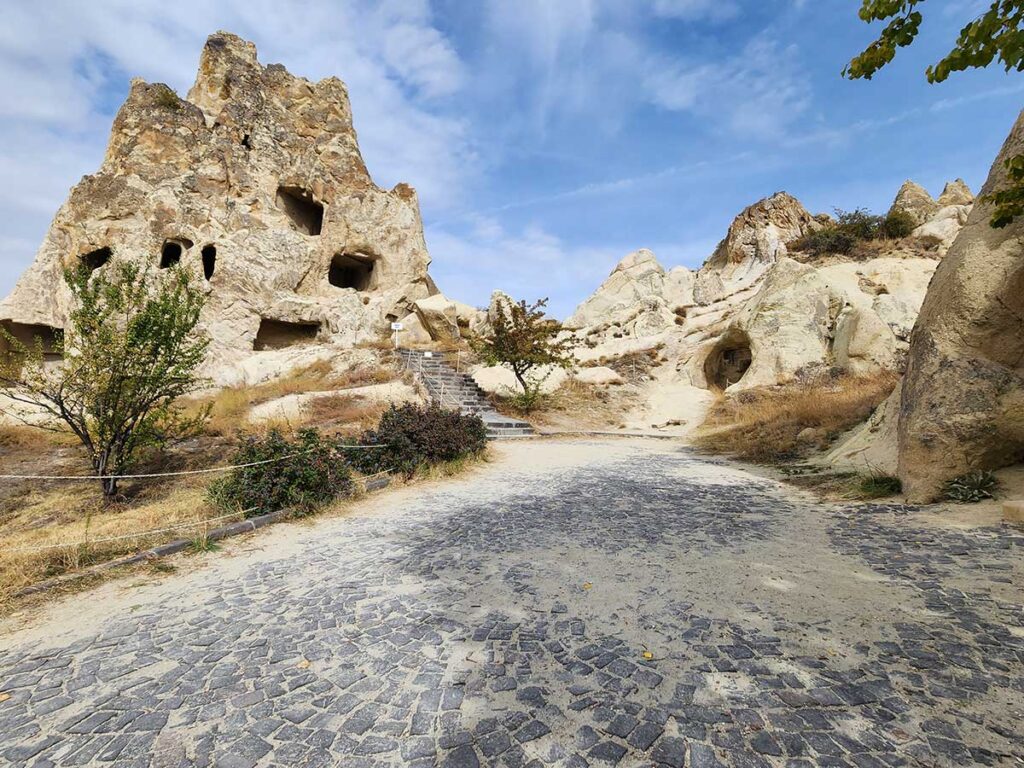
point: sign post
(396, 327)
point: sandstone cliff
(256, 184)
(962, 403)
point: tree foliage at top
(525, 339)
(995, 34)
(130, 350)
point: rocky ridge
(256, 184)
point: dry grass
(230, 406)
(575, 405)
(764, 424)
(345, 414)
(58, 529)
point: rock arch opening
(351, 270)
(728, 361)
(306, 214)
(209, 254)
(93, 260)
(278, 334)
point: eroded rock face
(639, 297)
(962, 404)
(913, 199)
(756, 239)
(255, 183)
(956, 192)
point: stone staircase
(452, 389)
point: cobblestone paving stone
(558, 617)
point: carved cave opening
(350, 270)
(28, 334)
(306, 214)
(278, 334)
(209, 254)
(96, 259)
(729, 360)
(172, 251)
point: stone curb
(180, 545)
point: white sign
(396, 326)
(428, 354)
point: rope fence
(227, 468)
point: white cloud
(758, 92)
(64, 67)
(692, 10)
(529, 264)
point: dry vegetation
(576, 405)
(230, 406)
(49, 528)
(773, 424)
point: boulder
(445, 319)
(598, 375)
(962, 404)
(638, 296)
(956, 193)
(756, 239)
(913, 199)
(939, 232)
(255, 184)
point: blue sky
(547, 139)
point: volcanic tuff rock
(756, 239)
(962, 405)
(914, 200)
(255, 183)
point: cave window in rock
(728, 361)
(209, 254)
(170, 254)
(351, 270)
(278, 334)
(306, 214)
(96, 259)
(31, 334)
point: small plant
(876, 486)
(971, 487)
(203, 543)
(166, 98)
(301, 474)
(415, 435)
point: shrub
(765, 424)
(167, 98)
(852, 227)
(897, 224)
(315, 471)
(415, 435)
(971, 488)
(878, 486)
(829, 239)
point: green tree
(525, 339)
(130, 349)
(995, 34)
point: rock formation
(255, 183)
(962, 404)
(756, 239)
(914, 200)
(757, 313)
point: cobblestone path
(571, 603)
